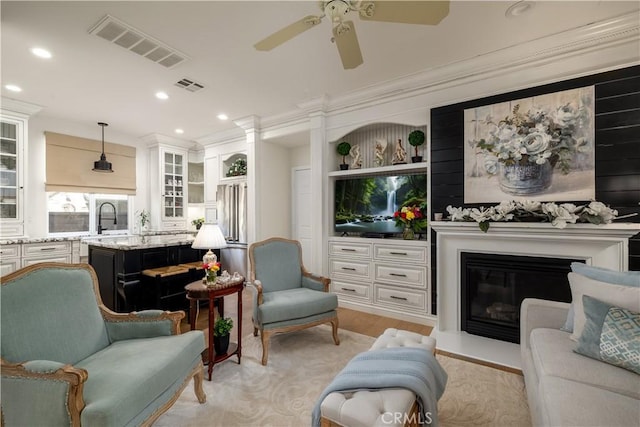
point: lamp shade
(209, 237)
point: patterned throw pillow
(611, 334)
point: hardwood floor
(350, 320)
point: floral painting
(538, 148)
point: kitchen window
(84, 213)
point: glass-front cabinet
(174, 186)
(168, 184)
(12, 134)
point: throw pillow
(621, 296)
(629, 278)
(611, 334)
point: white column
(251, 127)
(319, 182)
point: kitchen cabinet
(168, 187)
(20, 253)
(13, 133)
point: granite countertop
(20, 240)
(140, 242)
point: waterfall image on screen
(366, 205)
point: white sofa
(565, 388)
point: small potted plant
(343, 149)
(221, 332)
(416, 139)
(197, 223)
(145, 220)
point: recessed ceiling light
(41, 53)
(162, 95)
(13, 88)
(180, 131)
(223, 116)
(519, 8)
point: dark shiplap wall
(617, 143)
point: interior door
(301, 219)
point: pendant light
(102, 165)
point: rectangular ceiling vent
(115, 31)
(189, 84)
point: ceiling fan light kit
(344, 32)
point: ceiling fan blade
(405, 12)
(347, 42)
(288, 32)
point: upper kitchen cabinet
(168, 187)
(13, 133)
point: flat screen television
(365, 205)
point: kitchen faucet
(115, 216)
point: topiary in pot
(343, 149)
(416, 139)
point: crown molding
(157, 138)
(21, 107)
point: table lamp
(209, 237)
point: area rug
(300, 366)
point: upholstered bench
(377, 408)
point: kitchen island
(119, 263)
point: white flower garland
(529, 210)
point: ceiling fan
(344, 32)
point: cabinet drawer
(9, 265)
(415, 300)
(400, 253)
(49, 258)
(359, 269)
(40, 250)
(351, 290)
(8, 251)
(350, 249)
(403, 275)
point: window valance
(69, 161)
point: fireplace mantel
(598, 245)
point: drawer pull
(398, 253)
(47, 249)
(347, 250)
(397, 275)
(347, 289)
(348, 268)
(400, 298)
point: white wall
(36, 219)
(274, 191)
(300, 156)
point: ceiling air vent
(115, 31)
(190, 85)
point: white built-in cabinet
(382, 276)
(13, 134)
(14, 256)
(211, 179)
(168, 185)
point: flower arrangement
(534, 137)
(211, 271)
(529, 210)
(411, 217)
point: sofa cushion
(32, 307)
(611, 334)
(618, 295)
(129, 375)
(295, 304)
(627, 278)
(553, 355)
(571, 403)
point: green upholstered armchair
(68, 360)
(287, 297)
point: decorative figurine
(400, 155)
(381, 145)
(356, 163)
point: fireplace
(493, 287)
